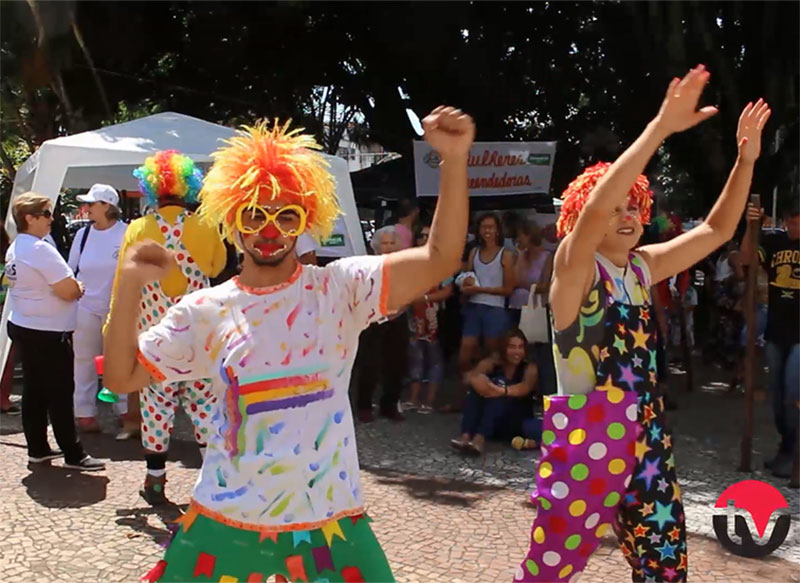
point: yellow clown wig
(263, 164)
(577, 193)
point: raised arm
(143, 262)
(671, 257)
(574, 260)
(414, 271)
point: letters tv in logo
(760, 500)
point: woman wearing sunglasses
(43, 294)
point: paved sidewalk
(440, 517)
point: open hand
(748, 135)
(450, 131)
(148, 261)
(679, 110)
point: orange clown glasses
(290, 220)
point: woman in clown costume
(607, 452)
(170, 181)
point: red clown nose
(270, 231)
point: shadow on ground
(55, 487)
(138, 519)
(103, 445)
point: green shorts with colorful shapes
(205, 549)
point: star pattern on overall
(627, 377)
(670, 573)
(655, 432)
(631, 499)
(649, 472)
(667, 551)
(621, 329)
(640, 552)
(675, 534)
(623, 311)
(652, 564)
(676, 492)
(670, 462)
(644, 315)
(662, 485)
(641, 449)
(637, 361)
(604, 353)
(639, 337)
(654, 538)
(653, 363)
(619, 344)
(653, 378)
(641, 530)
(683, 564)
(646, 509)
(666, 441)
(649, 414)
(629, 538)
(663, 515)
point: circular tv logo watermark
(760, 500)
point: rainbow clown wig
(169, 174)
(577, 193)
(263, 164)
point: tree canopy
(588, 75)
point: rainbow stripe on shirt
(284, 389)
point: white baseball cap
(100, 193)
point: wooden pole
(685, 348)
(750, 352)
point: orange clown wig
(577, 193)
(263, 164)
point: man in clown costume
(279, 494)
(607, 450)
(170, 181)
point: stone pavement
(440, 517)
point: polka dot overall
(607, 462)
(160, 400)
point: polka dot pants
(159, 402)
(588, 457)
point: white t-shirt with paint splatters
(282, 451)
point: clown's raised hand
(679, 109)
(147, 261)
(748, 135)
(450, 131)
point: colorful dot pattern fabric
(587, 462)
(159, 401)
(644, 507)
(158, 405)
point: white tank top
(489, 275)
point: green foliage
(588, 75)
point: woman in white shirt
(43, 295)
(93, 258)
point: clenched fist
(449, 131)
(147, 261)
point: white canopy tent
(109, 155)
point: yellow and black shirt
(780, 256)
